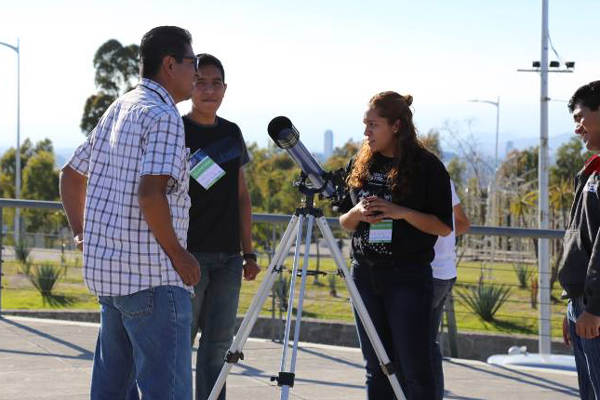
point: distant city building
(509, 146)
(328, 145)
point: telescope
(286, 137)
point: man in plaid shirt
(125, 192)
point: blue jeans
(144, 337)
(441, 291)
(214, 311)
(587, 354)
(400, 308)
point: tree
(431, 141)
(561, 198)
(40, 182)
(8, 163)
(521, 165)
(468, 147)
(570, 158)
(117, 72)
(95, 106)
(269, 177)
(456, 170)
(342, 155)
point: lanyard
(157, 92)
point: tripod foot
(234, 357)
(388, 369)
(284, 379)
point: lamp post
(544, 67)
(17, 229)
(497, 105)
(492, 188)
(545, 332)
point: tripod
(286, 376)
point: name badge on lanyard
(204, 170)
(381, 232)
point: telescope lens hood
(283, 132)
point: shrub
(332, 279)
(484, 299)
(281, 288)
(44, 278)
(523, 274)
(25, 267)
(22, 252)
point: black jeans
(400, 308)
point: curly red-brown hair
(409, 150)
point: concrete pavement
(44, 359)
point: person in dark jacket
(580, 272)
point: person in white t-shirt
(444, 276)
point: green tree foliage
(8, 163)
(570, 158)
(39, 182)
(117, 72)
(431, 141)
(342, 155)
(95, 106)
(456, 170)
(270, 176)
(521, 165)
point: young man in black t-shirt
(220, 222)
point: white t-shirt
(444, 263)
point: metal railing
(544, 312)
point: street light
(17, 229)
(544, 67)
(492, 188)
(497, 105)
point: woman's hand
(370, 210)
(364, 214)
(384, 209)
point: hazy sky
(318, 62)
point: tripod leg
(285, 389)
(361, 310)
(235, 351)
(288, 322)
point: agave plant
(484, 299)
(523, 274)
(332, 278)
(22, 252)
(44, 278)
(280, 289)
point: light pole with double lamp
(17, 226)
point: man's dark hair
(160, 42)
(205, 59)
(586, 96)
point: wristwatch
(78, 238)
(250, 256)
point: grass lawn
(515, 316)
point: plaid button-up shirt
(140, 134)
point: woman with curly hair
(399, 201)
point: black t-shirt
(214, 214)
(410, 248)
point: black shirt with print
(410, 248)
(214, 213)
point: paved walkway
(42, 359)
